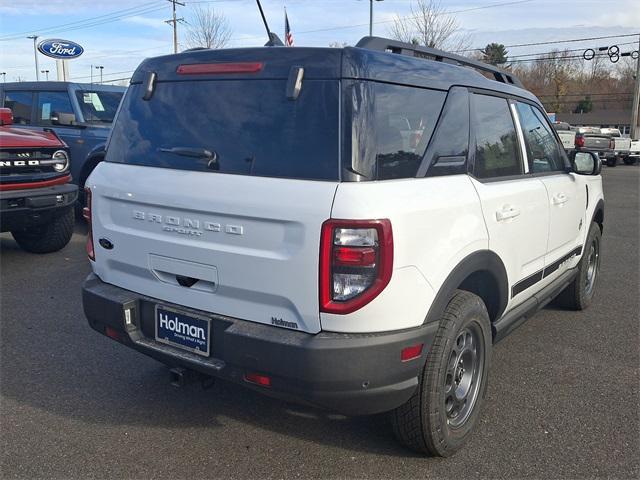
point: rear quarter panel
(436, 222)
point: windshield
(244, 127)
(98, 107)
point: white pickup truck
(634, 153)
(567, 135)
(622, 147)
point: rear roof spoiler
(409, 49)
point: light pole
(4, 77)
(371, 16)
(100, 67)
(46, 72)
(35, 55)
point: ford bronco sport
(36, 198)
(350, 228)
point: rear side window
(244, 127)
(50, 104)
(496, 142)
(543, 151)
(447, 152)
(98, 107)
(20, 103)
(388, 128)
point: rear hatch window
(244, 127)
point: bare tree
(208, 29)
(430, 25)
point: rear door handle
(559, 199)
(506, 213)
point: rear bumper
(354, 374)
(24, 208)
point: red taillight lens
(256, 378)
(86, 213)
(218, 68)
(579, 142)
(356, 261)
(612, 144)
(354, 256)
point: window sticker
(93, 99)
(46, 111)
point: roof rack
(409, 49)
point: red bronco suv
(36, 198)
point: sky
(119, 34)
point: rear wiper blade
(190, 152)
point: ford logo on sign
(60, 49)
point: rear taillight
(612, 143)
(86, 213)
(356, 261)
(579, 142)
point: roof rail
(402, 48)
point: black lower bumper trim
(21, 209)
(354, 374)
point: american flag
(288, 36)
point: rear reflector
(112, 333)
(409, 353)
(258, 379)
(216, 68)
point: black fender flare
(479, 261)
(598, 211)
(95, 156)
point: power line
(586, 94)
(551, 42)
(105, 18)
(565, 50)
(358, 25)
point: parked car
(260, 218)
(634, 153)
(36, 196)
(81, 114)
(593, 140)
(567, 135)
(622, 145)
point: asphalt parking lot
(563, 400)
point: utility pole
(35, 55)
(100, 67)
(371, 16)
(635, 132)
(174, 22)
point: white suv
(350, 228)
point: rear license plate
(183, 330)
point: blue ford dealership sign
(60, 49)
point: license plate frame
(192, 320)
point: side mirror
(66, 119)
(586, 163)
(6, 116)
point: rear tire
(629, 161)
(439, 418)
(612, 162)
(578, 295)
(49, 237)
